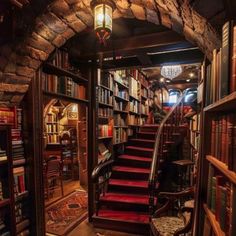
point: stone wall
(64, 18)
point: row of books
(122, 93)
(52, 138)
(144, 92)
(51, 118)
(221, 73)
(144, 109)
(134, 106)
(7, 116)
(133, 120)
(63, 85)
(119, 120)
(3, 155)
(120, 135)
(223, 144)
(133, 87)
(52, 128)
(105, 130)
(19, 180)
(105, 78)
(104, 96)
(105, 112)
(221, 199)
(119, 105)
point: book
(233, 67)
(227, 31)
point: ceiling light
(187, 80)
(103, 10)
(171, 72)
(162, 80)
(191, 75)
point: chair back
(53, 168)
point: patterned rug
(66, 213)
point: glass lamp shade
(103, 11)
(170, 72)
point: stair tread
(132, 216)
(132, 183)
(140, 148)
(143, 140)
(131, 169)
(127, 198)
(135, 158)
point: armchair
(175, 217)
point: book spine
(233, 67)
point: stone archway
(64, 18)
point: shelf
(227, 103)
(135, 125)
(4, 202)
(134, 98)
(102, 86)
(215, 225)
(135, 113)
(124, 127)
(53, 144)
(143, 97)
(120, 98)
(120, 84)
(103, 117)
(223, 168)
(104, 104)
(51, 69)
(142, 114)
(65, 97)
(4, 162)
(21, 196)
(107, 137)
(52, 122)
(119, 143)
(119, 111)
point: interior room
(117, 117)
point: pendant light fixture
(170, 72)
(103, 10)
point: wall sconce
(103, 10)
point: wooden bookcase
(123, 105)
(217, 175)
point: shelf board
(142, 114)
(135, 125)
(215, 225)
(107, 137)
(143, 97)
(124, 127)
(227, 103)
(120, 98)
(103, 117)
(5, 202)
(4, 162)
(135, 113)
(65, 97)
(119, 111)
(103, 86)
(132, 97)
(119, 143)
(223, 168)
(104, 104)
(51, 69)
(121, 84)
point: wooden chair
(53, 176)
(175, 217)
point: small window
(173, 97)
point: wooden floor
(87, 229)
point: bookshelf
(123, 105)
(14, 194)
(218, 163)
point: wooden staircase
(124, 206)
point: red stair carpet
(125, 205)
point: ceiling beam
(144, 59)
(167, 40)
(189, 56)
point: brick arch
(64, 18)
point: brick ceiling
(48, 26)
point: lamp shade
(103, 10)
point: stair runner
(125, 205)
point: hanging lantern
(103, 10)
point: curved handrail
(99, 168)
(155, 162)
